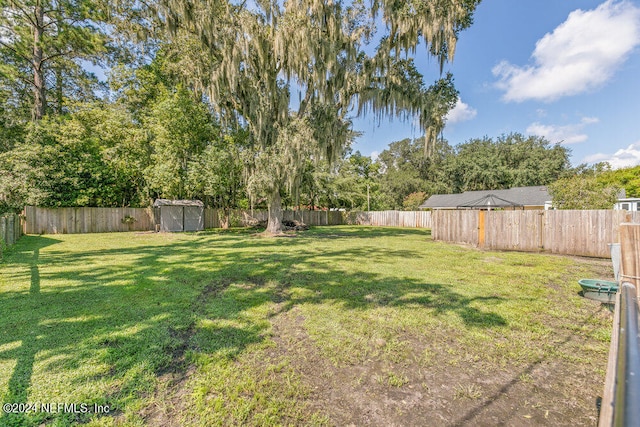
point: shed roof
(517, 196)
(167, 202)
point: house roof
(517, 196)
(167, 202)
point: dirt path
(414, 393)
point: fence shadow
(468, 417)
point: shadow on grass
(368, 232)
(139, 320)
(20, 380)
(321, 232)
(469, 416)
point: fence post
(3, 234)
(606, 404)
(630, 253)
(11, 238)
(630, 270)
(541, 230)
(16, 227)
(481, 228)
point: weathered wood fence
(619, 400)
(86, 220)
(413, 219)
(104, 220)
(584, 233)
(575, 232)
(455, 226)
(242, 218)
(10, 228)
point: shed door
(193, 218)
(171, 218)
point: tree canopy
(241, 104)
(627, 178)
(595, 187)
(43, 44)
(261, 55)
(511, 160)
(583, 192)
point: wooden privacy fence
(622, 384)
(414, 219)
(243, 218)
(455, 226)
(10, 230)
(570, 232)
(104, 220)
(86, 220)
(315, 217)
(584, 233)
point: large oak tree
(294, 73)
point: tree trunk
(59, 90)
(39, 88)
(224, 218)
(274, 226)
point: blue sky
(567, 70)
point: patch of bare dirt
(169, 400)
(170, 396)
(414, 393)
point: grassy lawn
(338, 325)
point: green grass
(181, 325)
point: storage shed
(179, 215)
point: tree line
(402, 178)
(219, 99)
(238, 105)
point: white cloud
(461, 113)
(374, 155)
(582, 53)
(589, 120)
(623, 158)
(541, 112)
(567, 134)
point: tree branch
(305, 102)
(51, 10)
(25, 14)
(26, 80)
(57, 21)
(56, 55)
(16, 52)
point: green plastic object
(599, 290)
